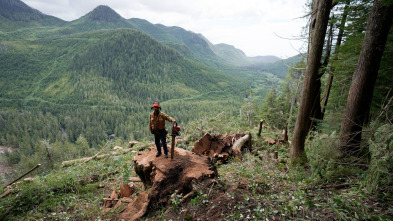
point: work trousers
(160, 139)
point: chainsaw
(175, 132)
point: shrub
(324, 158)
(381, 164)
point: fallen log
(132, 143)
(237, 146)
(31, 170)
(6, 193)
(97, 157)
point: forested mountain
(275, 66)
(63, 82)
(74, 89)
(218, 55)
(96, 76)
(192, 45)
(102, 17)
(16, 14)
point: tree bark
(337, 48)
(364, 77)
(318, 28)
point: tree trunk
(316, 113)
(364, 77)
(310, 88)
(337, 47)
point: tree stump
(163, 176)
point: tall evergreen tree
(310, 89)
(365, 76)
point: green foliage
(270, 109)
(280, 105)
(325, 159)
(175, 199)
(65, 193)
(223, 123)
(344, 64)
(381, 164)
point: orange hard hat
(156, 104)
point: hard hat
(156, 104)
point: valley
(75, 97)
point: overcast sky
(257, 27)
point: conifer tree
(310, 89)
(365, 76)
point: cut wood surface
(164, 176)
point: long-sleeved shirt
(157, 122)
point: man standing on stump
(157, 127)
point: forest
(67, 87)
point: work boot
(158, 154)
(166, 155)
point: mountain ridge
(103, 17)
(18, 14)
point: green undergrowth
(326, 188)
(258, 187)
(72, 193)
(278, 190)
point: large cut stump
(165, 175)
(221, 147)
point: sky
(257, 27)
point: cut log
(132, 143)
(221, 145)
(31, 170)
(97, 157)
(118, 148)
(6, 193)
(238, 145)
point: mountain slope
(278, 68)
(191, 45)
(230, 54)
(107, 67)
(15, 14)
(217, 56)
(102, 17)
